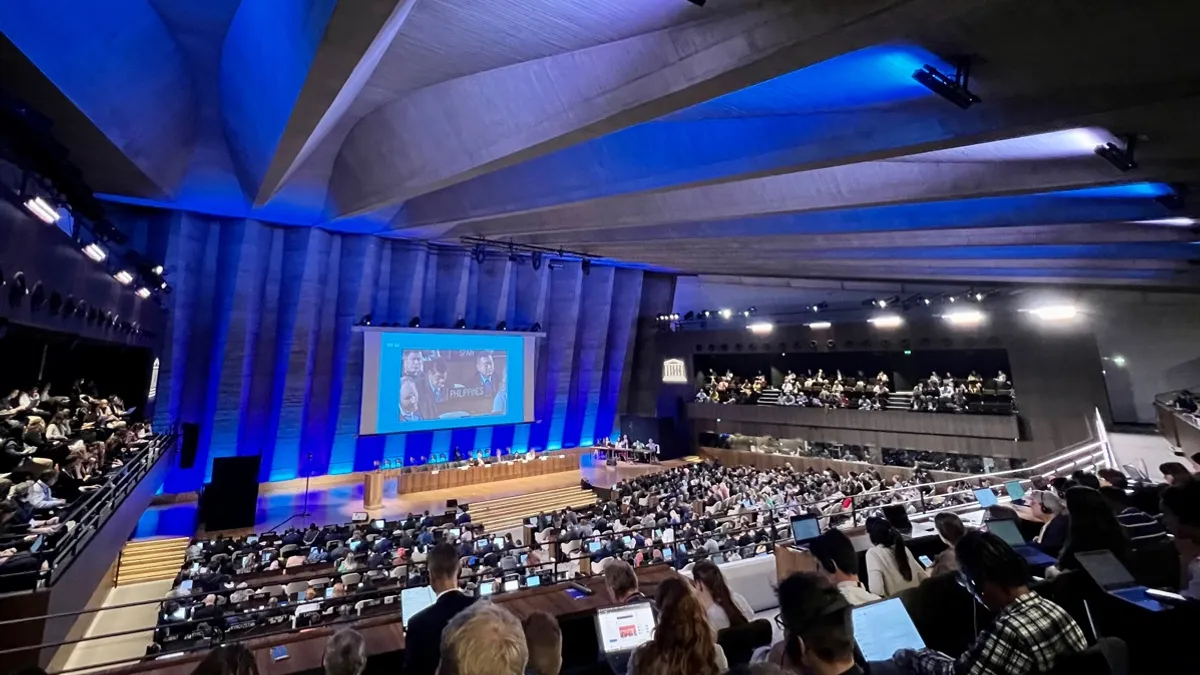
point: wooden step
(151, 559)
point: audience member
(1141, 529)
(950, 530)
(1093, 527)
(543, 638)
(345, 653)
(424, 632)
(723, 607)
(1050, 509)
(483, 639)
(1181, 515)
(684, 642)
(233, 659)
(1175, 473)
(837, 557)
(891, 567)
(818, 633)
(1029, 634)
(622, 583)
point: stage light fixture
(414, 322)
(124, 277)
(966, 317)
(819, 325)
(536, 328)
(366, 320)
(1121, 158)
(1055, 312)
(951, 298)
(761, 327)
(142, 292)
(954, 89)
(979, 297)
(157, 269)
(927, 301)
(95, 251)
(886, 321)
(689, 316)
(586, 265)
(503, 325)
(460, 324)
(43, 210)
(726, 314)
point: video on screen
(452, 384)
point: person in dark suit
(431, 392)
(486, 368)
(423, 638)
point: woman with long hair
(1093, 527)
(891, 567)
(723, 607)
(684, 643)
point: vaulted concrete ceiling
(771, 137)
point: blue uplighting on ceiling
(1127, 191)
(871, 76)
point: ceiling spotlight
(819, 325)
(886, 321)
(926, 300)
(157, 269)
(954, 89)
(142, 292)
(1121, 158)
(951, 298)
(746, 313)
(726, 313)
(967, 317)
(43, 210)
(95, 252)
(881, 304)
(460, 324)
(414, 322)
(1055, 312)
(503, 325)
(761, 327)
(124, 277)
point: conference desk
(384, 634)
(413, 479)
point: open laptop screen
(415, 599)
(1014, 489)
(1006, 530)
(1105, 569)
(623, 629)
(881, 628)
(805, 528)
(985, 497)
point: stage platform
(334, 499)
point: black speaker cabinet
(190, 439)
(231, 499)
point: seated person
(950, 530)
(818, 632)
(837, 556)
(1181, 515)
(1029, 634)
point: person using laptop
(684, 643)
(891, 567)
(1181, 515)
(423, 635)
(835, 552)
(950, 530)
(817, 628)
(1029, 634)
(1093, 527)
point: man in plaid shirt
(1029, 633)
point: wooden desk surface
(385, 633)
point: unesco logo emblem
(674, 372)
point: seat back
(943, 612)
(1109, 656)
(739, 642)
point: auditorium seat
(739, 642)
(1156, 565)
(1109, 656)
(943, 612)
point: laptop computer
(1011, 534)
(805, 529)
(898, 517)
(1014, 489)
(1112, 578)
(882, 627)
(623, 629)
(985, 497)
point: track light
(157, 269)
(1121, 158)
(414, 322)
(460, 324)
(142, 292)
(95, 252)
(503, 325)
(43, 210)
(366, 320)
(124, 277)
(927, 301)
(966, 317)
(979, 297)
(953, 89)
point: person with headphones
(1029, 634)
(817, 628)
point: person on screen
(500, 400)
(1029, 634)
(432, 392)
(413, 365)
(486, 369)
(409, 401)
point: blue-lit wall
(260, 351)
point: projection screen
(421, 379)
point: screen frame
(368, 422)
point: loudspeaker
(231, 499)
(451, 503)
(190, 440)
